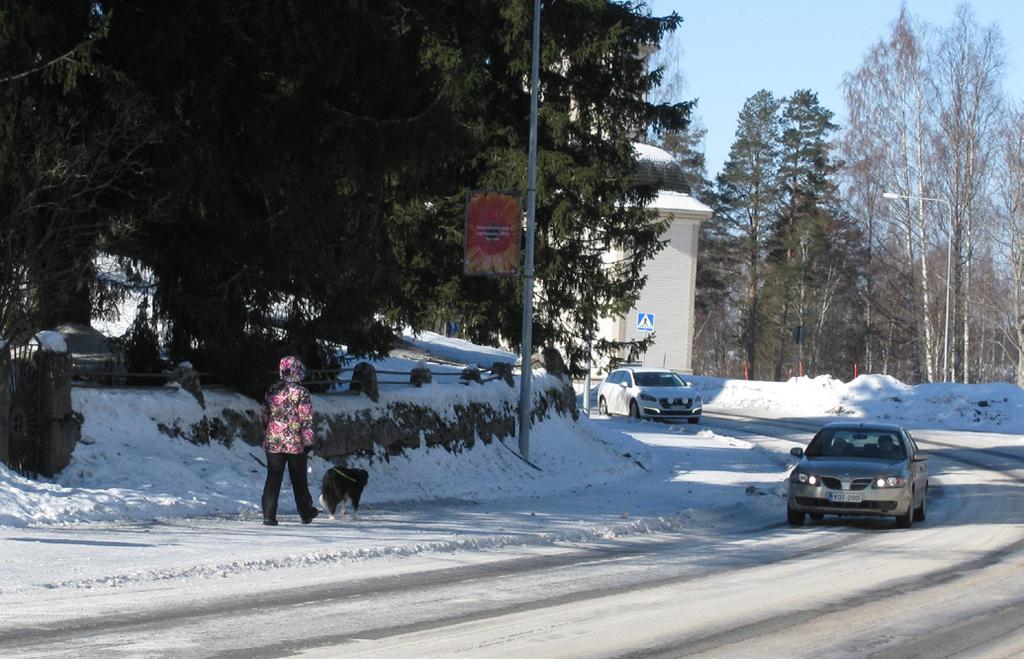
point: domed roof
(657, 168)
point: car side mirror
(623, 385)
(920, 458)
(797, 452)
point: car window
(627, 377)
(877, 443)
(914, 450)
(615, 377)
(657, 380)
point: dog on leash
(342, 485)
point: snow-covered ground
(137, 506)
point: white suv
(653, 393)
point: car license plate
(845, 497)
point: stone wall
(352, 424)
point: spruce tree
(311, 184)
(71, 130)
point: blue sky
(733, 48)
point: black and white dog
(341, 486)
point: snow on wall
(127, 468)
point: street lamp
(949, 261)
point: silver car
(854, 468)
(655, 393)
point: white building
(666, 304)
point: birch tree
(968, 66)
(1011, 201)
(886, 97)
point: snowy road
(673, 573)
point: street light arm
(893, 195)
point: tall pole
(949, 262)
(525, 398)
(586, 378)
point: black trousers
(296, 463)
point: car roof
(645, 369)
(866, 425)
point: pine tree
(800, 233)
(749, 194)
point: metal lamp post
(526, 372)
(949, 261)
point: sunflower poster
(493, 221)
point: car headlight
(890, 481)
(806, 479)
(647, 397)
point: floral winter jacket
(288, 412)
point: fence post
(59, 427)
(5, 404)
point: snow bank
(459, 350)
(997, 406)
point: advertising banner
(493, 224)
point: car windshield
(657, 380)
(857, 443)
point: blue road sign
(645, 322)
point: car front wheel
(794, 517)
(694, 419)
(634, 409)
(905, 520)
(602, 406)
(919, 512)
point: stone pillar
(504, 371)
(5, 404)
(470, 374)
(59, 427)
(420, 374)
(555, 365)
(188, 379)
(364, 379)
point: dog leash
(338, 471)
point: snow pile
(51, 341)
(459, 350)
(997, 406)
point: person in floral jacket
(287, 417)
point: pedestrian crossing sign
(645, 322)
